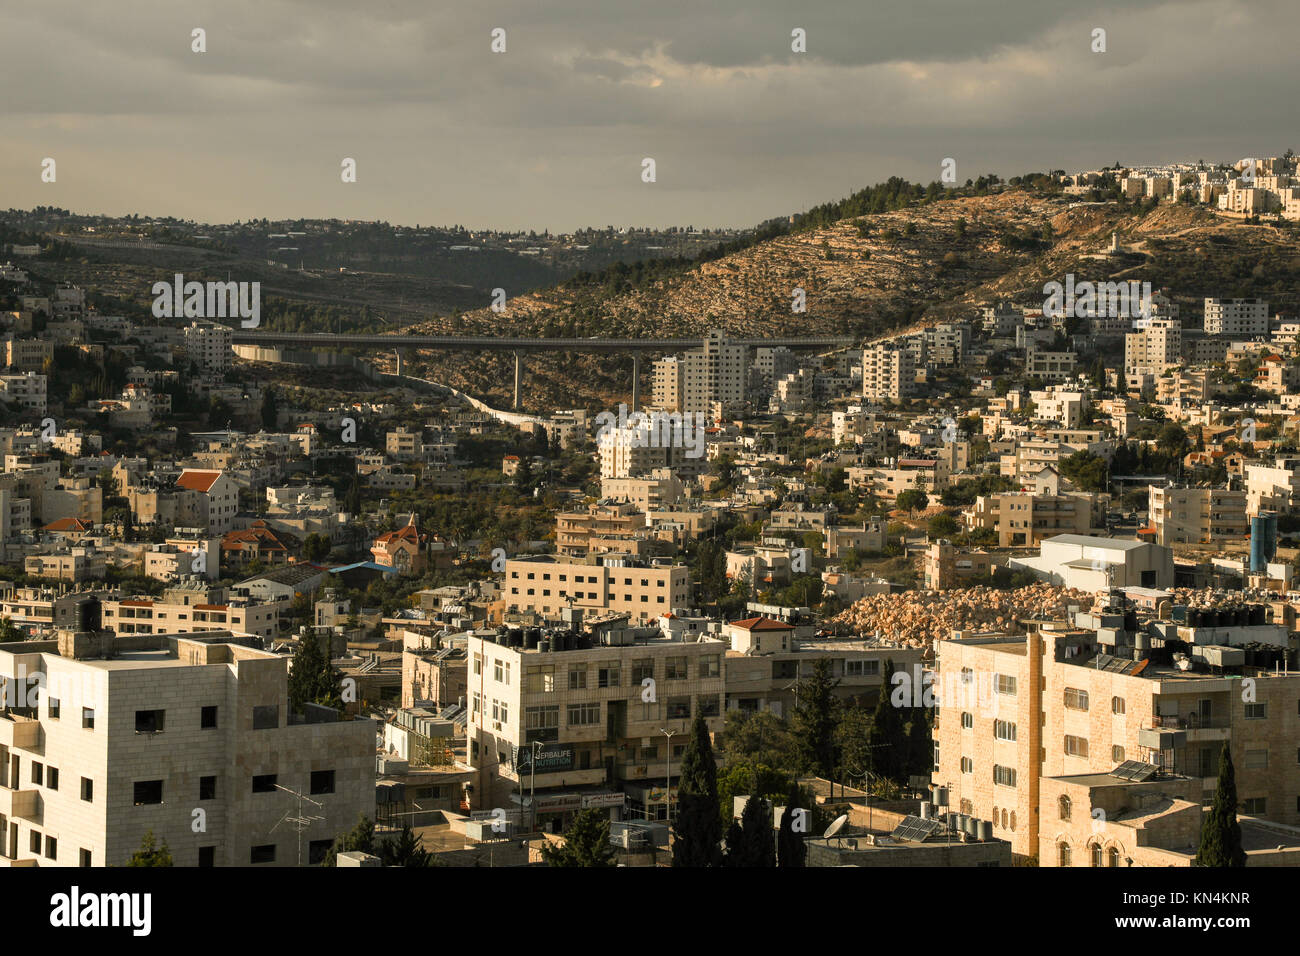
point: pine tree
(360, 837)
(698, 830)
(791, 849)
(920, 744)
(1221, 833)
(586, 843)
(816, 718)
(312, 678)
(886, 739)
(756, 822)
(150, 853)
(406, 850)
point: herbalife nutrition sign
(551, 758)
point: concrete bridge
(521, 346)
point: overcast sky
(552, 133)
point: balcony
(21, 803)
(23, 733)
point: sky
(552, 133)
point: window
(675, 668)
(316, 851)
(679, 708)
(52, 705)
(1004, 776)
(709, 666)
(322, 781)
(266, 717)
(262, 854)
(208, 855)
(1004, 730)
(1076, 746)
(1063, 807)
(1063, 854)
(207, 788)
(967, 720)
(87, 790)
(607, 675)
(478, 664)
(84, 858)
(149, 721)
(1257, 711)
(578, 679)
(1112, 857)
(1117, 705)
(642, 670)
(1096, 854)
(1254, 806)
(1117, 754)
(208, 718)
(709, 707)
(1257, 759)
(540, 723)
(264, 783)
(1076, 699)
(967, 765)
(148, 791)
(51, 848)
(498, 671)
(38, 773)
(52, 778)
(583, 714)
(1006, 684)
(35, 842)
(967, 675)
(88, 718)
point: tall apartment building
(1067, 701)
(209, 345)
(1197, 515)
(693, 382)
(28, 391)
(1236, 317)
(190, 738)
(948, 342)
(1274, 487)
(1155, 348)
(888, 373)
(602, 527)
(583, 711)
(546, 585)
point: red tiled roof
(761, 624)
(69, 524)
(197, 480)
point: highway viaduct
(521, 346)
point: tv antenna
(299, 821)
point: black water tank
(89, 615)
(544, 645)
(1258, 615)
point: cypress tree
(756, 822)
(737, 849)
(698, 830)
(886, 738)
(816, 719)
(792, 851)
(1221, 833)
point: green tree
(361, 837)
(312, 678)
(316, 547)
(697, 828)
(886, 739)
(792, 852)
(586, 843)
(816, 717)
(150, 853)
(270, 410)
(9, 632)
(913, 499)
(404, 850)
(756, 824)
(942, 526)
(1221, 833)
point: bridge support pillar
(519, 378)
(636, 381)
(399, 363)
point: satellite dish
(836, 826)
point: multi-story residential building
(546, 585)
(1236, 317)
(1197, 515)
(1273, 487)
(944, 566)
(220, 497)
(27, 391)
(1155, 348)
(1023, 520)
(603, 527)
(1049, 366)
(1054, 703)
(1061, 405)
(209, 345)
(191, 739)
(888, 373)
(1187, 387)
(71, 565)
(586, 722)
(695, 381)
(187, 610)
(27, 355)
(647, 493)
(403, 549)
(869, 538)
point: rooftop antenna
(298, 821)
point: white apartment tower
(888, 373)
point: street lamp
(668, 771)
(532, 787)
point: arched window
(1004, 819)
(1062, 854)
(1063, 805)
(1112, 856)
(1096, 854)
(995, 816)
(1013, 821)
